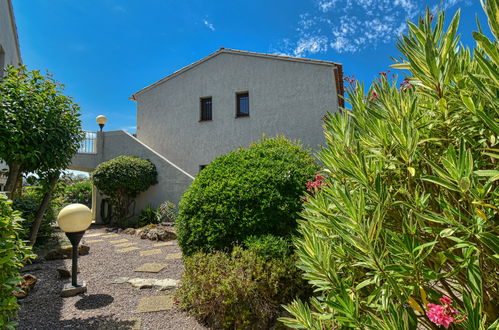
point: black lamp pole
(101, 127)
(75, 239)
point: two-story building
(224, 101)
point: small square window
(202, 167)
(206, 108)
(242, 104)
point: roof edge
(235, 52)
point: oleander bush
(252, 191)
(403, 234)
(27, 204)
(238, 290)
(122, 179)
(13, 254)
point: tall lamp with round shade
(74, 219)
(101, 120)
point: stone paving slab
(128, 249)
(151, 268)
(94, 235)
(93, 240)
(150, 252)
(170, 243)
(111, 236)
(155, 304)
(119, 241)
(122, 245)
(172, 256)
(131, 324)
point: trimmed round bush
(252, 191)
(122, 179)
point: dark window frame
(240, 95)
(205, 115)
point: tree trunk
(12, 179)
(52, 181)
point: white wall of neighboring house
(287, 97)
(9, 43)
(9, 55)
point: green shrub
(122, 179)
(409, 213)
(239, 290)
(166, 212)
(147, 217)
(269, 246)
(253, 191)
(13, 253)
(78, 192)
(28, 204)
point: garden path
(130, 284)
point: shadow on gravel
(94, 301)
(99, 323)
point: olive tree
(122, 179)
(40, 130)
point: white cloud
(353, 25)
(209, 25)
(326, 5)
(310, 45)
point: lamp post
(74, 219)
(101, 120)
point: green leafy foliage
(147, 217)
(40, 129)
(13, 254)
(166, 212)
(253, 191)
(269, 246)
(122, 179)
(239, 290)
(78, 192)
(409, 213)
(27, 204)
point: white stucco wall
(9, 49)
(286, 97)
(172, 181)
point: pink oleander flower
(317, 184)
(374, 96)
(442, 314)
(445, 300)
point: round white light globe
(74, 218)
(101, 120)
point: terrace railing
(89, 144)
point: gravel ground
(104, 305)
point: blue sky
(105, 50)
